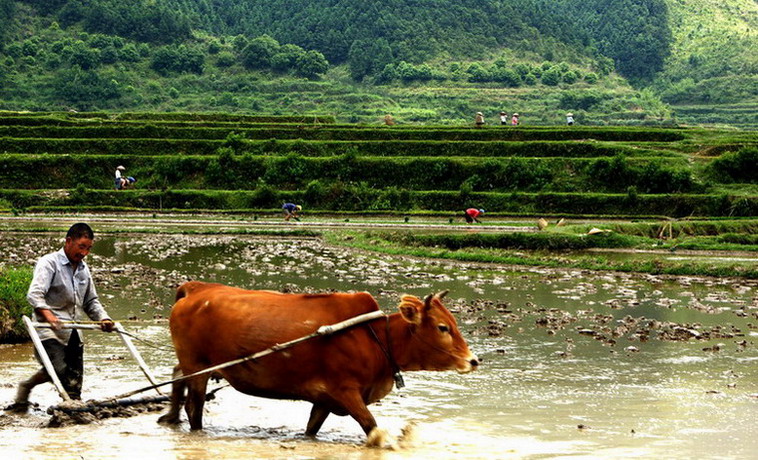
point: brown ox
(339, 373)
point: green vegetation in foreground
(14, 282)
(540, 255)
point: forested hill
(611, 60)
(634, 33)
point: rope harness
(396, 376)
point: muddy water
(574, 363)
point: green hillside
(608, 62)
(712, 74)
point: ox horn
(428, 300)
(440, 295)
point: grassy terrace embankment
(228, 162)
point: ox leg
(375, 437)
(356, 408)
(177, 400)
(196, 400)
(318, 415)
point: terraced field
(235, 163)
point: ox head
(436, 343)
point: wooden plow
(92, 405)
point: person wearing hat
(569, 118)
(291, 210)
(503, 118)
(472, 215)
(119, 182)
(479, 120)
(514, 120)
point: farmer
(472, 215)
(503, 118)
(570, 119)
(479, 120)
(291, 210)
(119, 182)
(62, 290)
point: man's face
(77, 249)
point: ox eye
(443, 328)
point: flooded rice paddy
(575, 363)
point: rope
(147, 342)
(399, 382)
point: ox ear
(410, 308)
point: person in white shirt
(62, 290)
(119, 182)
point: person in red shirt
(472, 215)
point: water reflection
(548, 386)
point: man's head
(78, 242)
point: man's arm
(44, 272)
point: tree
(311, 64)
(82, 55)
(552, 76)
(287, 58)
(129, 53)
(180, 58)
(84, 89)
(7, 8)
(368, 57)
(570, 77)
(477, 73)
(507, 76)
(258, 53)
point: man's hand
(55, 323)
(107, 325)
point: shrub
(14, 282)
(740, 166)
(225, 59)
(552, 76)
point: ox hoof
(169, 419)
(381, 439)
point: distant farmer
(119, 182)
(503, 118)
(291, 211)
(61, 291)
(479, 120)
(129, 181)
(388, 120)
(569, 118)
(472, 215)
(514, 120)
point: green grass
(589, 261)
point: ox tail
(185, 289)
